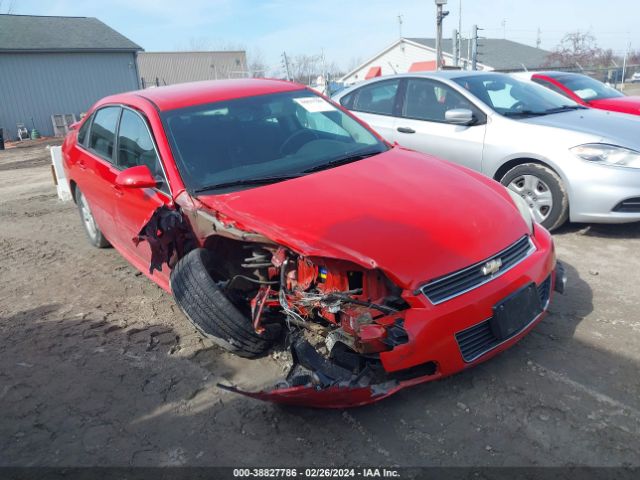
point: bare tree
(579, 49)
(634, 57)
(9, 8)
(258, 67)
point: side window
(550, 86)
(103, 131)
(347, 100)
(135, 147)
(429, 100)
(379, 97)
(82, 133)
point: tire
(543, 190)
(95, 236)
(211, 312)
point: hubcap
(87, 217)
(536, 193)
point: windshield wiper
(564, 108)
(340, 161)
(525, 113)
(247, 181)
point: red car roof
(198, 93)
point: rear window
(103, 131)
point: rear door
(134, 206)
(376, 104)
(422, 125)
(98, 166)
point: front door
(422, 124)
(134, 206)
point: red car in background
(279, 220)
(587, 91)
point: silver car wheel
(87, 218)
(536, 193)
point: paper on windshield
(314, 104)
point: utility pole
(454, 47)
(285, 65)
(624, 64)
(440, 14)
(474, 47)
(459, 38)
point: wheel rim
(87, 217)
(536, 193)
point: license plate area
(515, 312)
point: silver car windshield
(511, 97)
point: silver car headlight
(523, 208)
(608, 155)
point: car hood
(411, 215)
(619, 104)
(600, 125)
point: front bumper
(434, 348)
(596, 190)
(432, 329)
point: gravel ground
(99, 367)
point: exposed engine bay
(330, 318)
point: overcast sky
(344, 29)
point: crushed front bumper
(436, 346)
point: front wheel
(95, 236)
(543, 191)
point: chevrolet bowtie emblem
(491, 267)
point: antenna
(538, 38)
(400, 24)
(504, 27)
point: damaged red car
(278, 221)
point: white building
(419, 54)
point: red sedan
(588, 91)
(276, 218)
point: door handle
(82, 165)
(406, 130)
(118, 190)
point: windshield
(263, 139)
(511, 97)
(587, 88)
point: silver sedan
(566, 161)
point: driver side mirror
(136, 177)
(459, 116)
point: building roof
(30, 33)
(179, 67)
(497, 53)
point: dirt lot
(98, 366)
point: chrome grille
(456, 283)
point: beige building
(168, 68)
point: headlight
(523, 208)
(608, 155)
